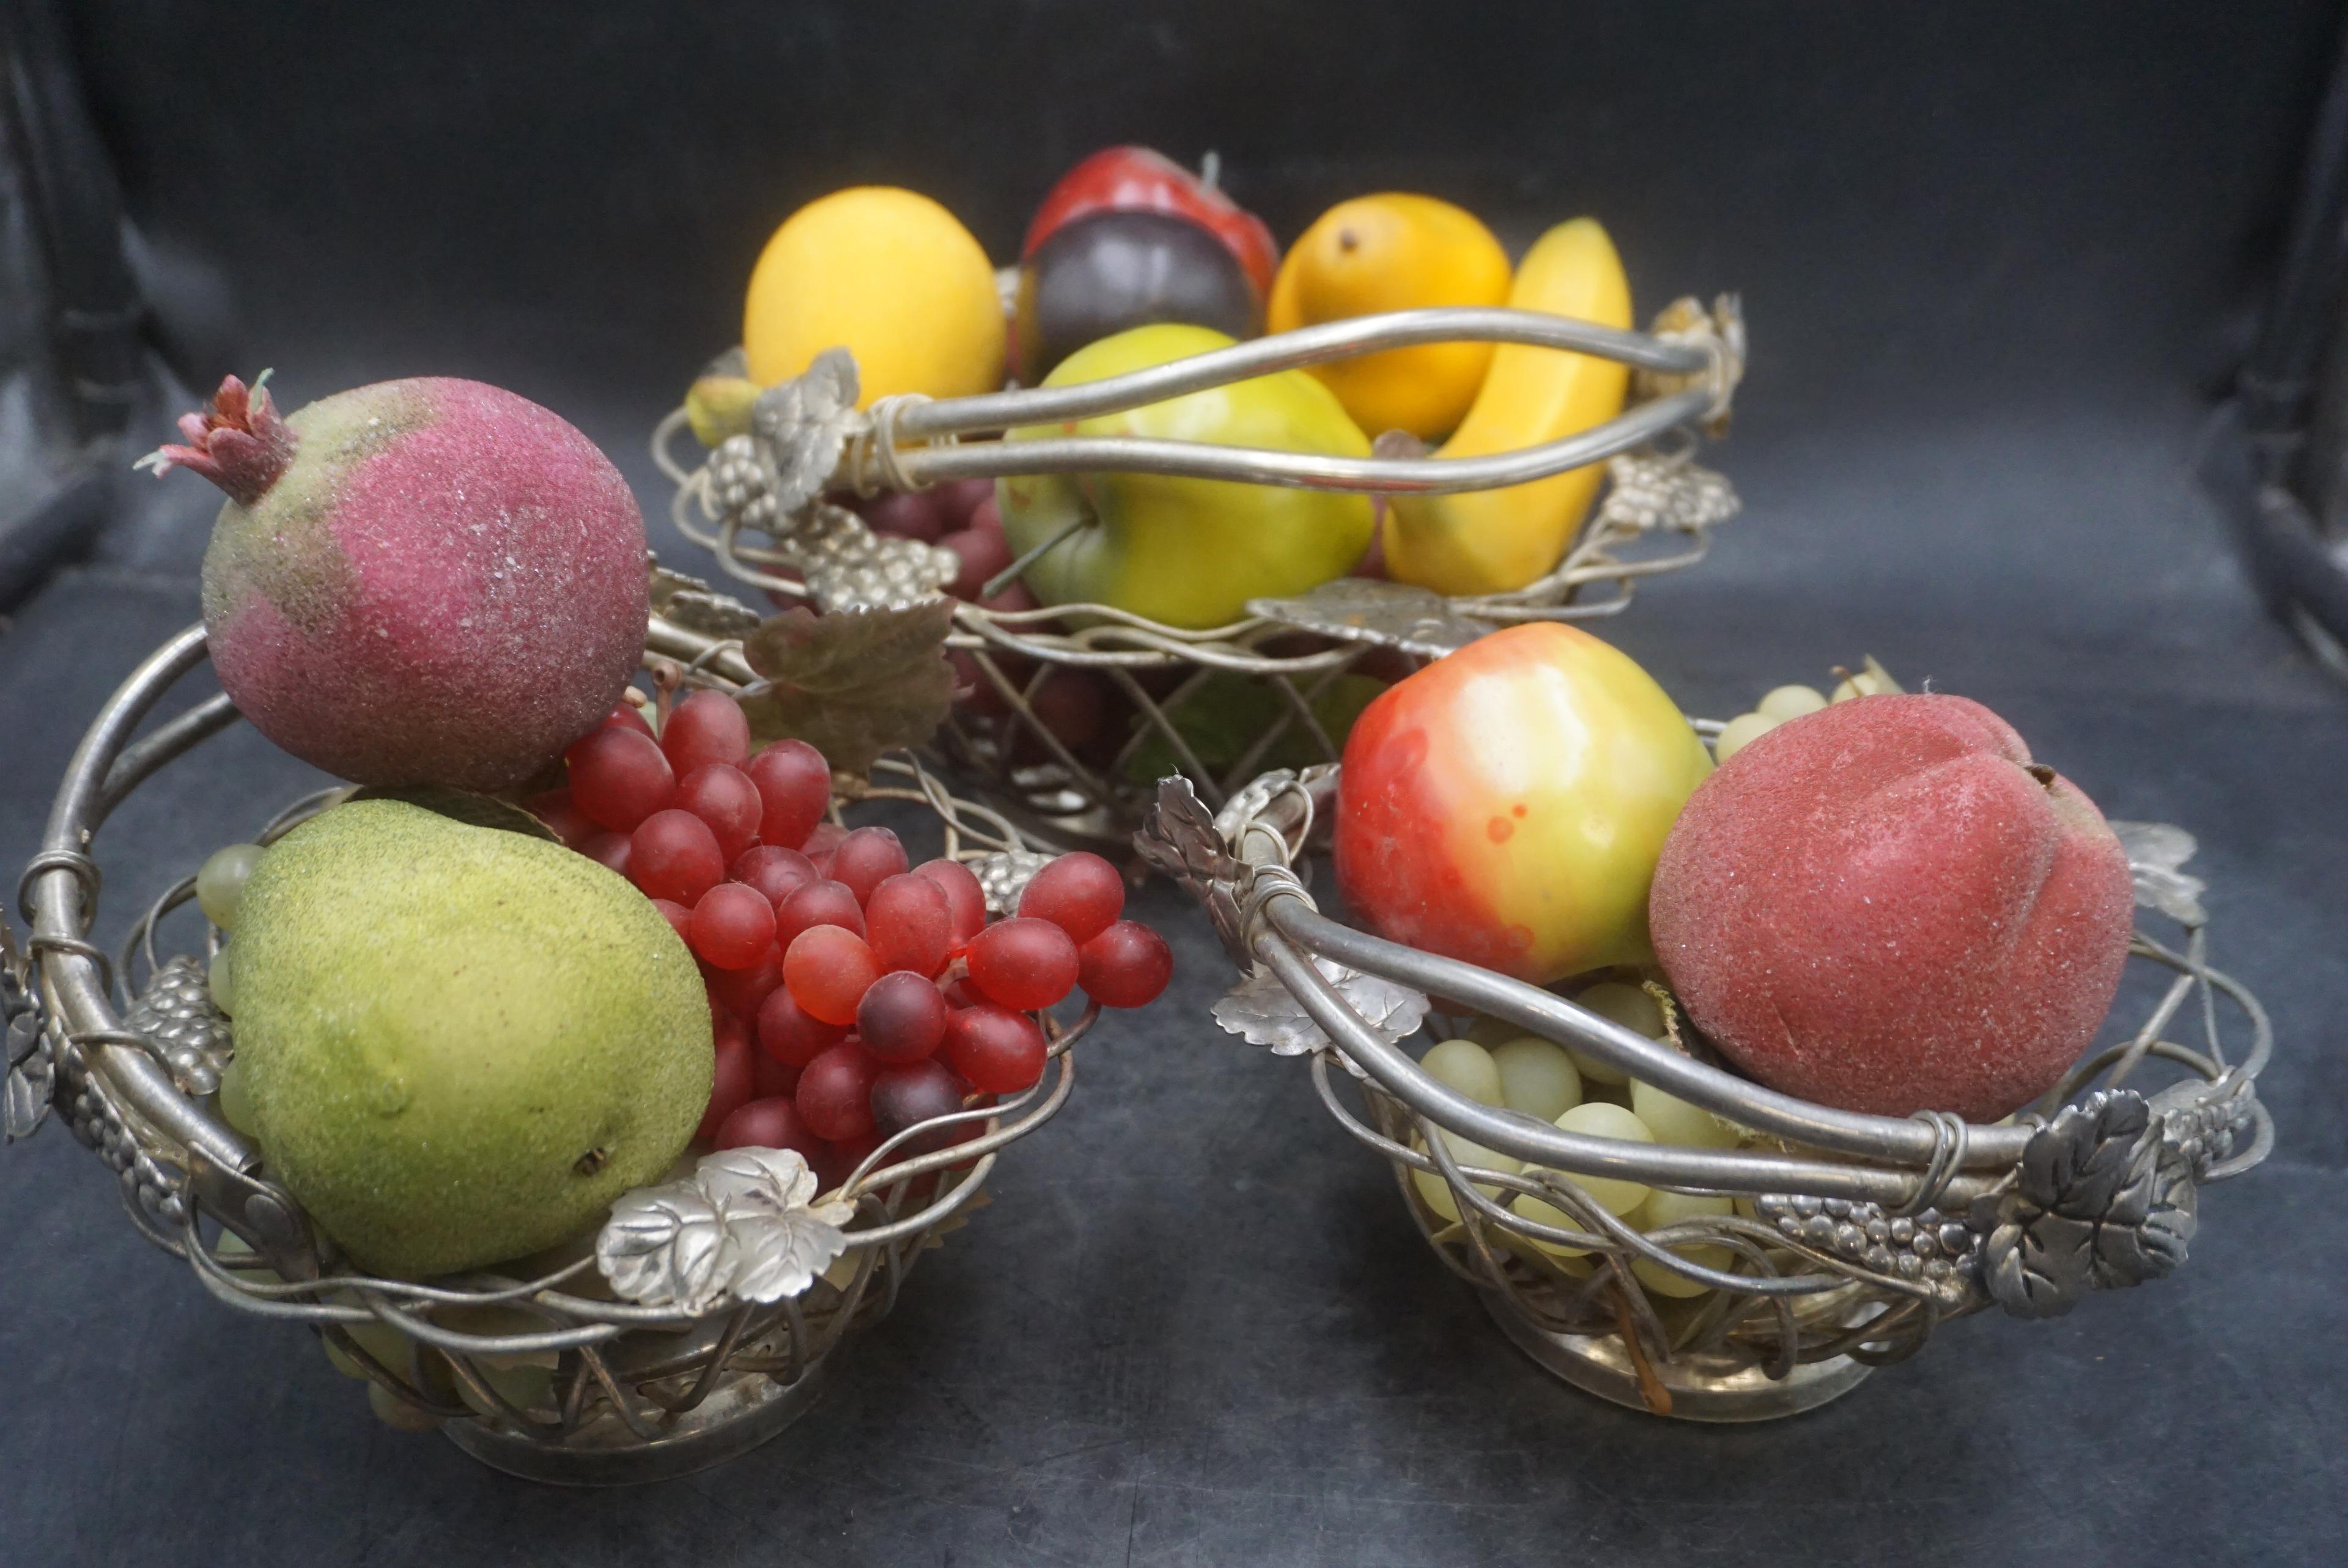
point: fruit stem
(239, 442)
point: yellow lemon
(1395, 252)
(890, 276)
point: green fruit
(1189, 552)
(460, 1044)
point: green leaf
(852, 685)
(463, 805)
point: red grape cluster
(853, 994)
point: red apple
(1135, 179)
(1885, 906)
(1506, 804)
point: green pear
(459, 1044)
(1189, 552)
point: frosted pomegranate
(422, 581)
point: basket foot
(1702, 1389)
(732, 1422)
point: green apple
(1189, 552)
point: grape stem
(1651, 1387)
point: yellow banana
(1491, 541)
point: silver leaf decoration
(2101, 1201)
(1262, 1011)
(1390, 614)
(666, 1246)
(785, 1240)
(740, 1228)
(803, 425)
(2154, 852)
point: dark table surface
(1195, 1325)
(1984, 252)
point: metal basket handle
(817, 439)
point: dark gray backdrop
(1995, 258)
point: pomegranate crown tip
(239, 442)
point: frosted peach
(1886, 906)
(425, 581)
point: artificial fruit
(1137, 180)
(1496, 541)
(1108, 272)
(888, 274)
(1395, 252)
(1506, 805)
(425, 581)
(1885, 905)
(1188, 552)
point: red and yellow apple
(1506, 804)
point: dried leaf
(465, 807)
(851, 684)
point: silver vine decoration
(182, 1026)
(31, 1081)
(1652, 490)
(802, 427)
(1178, 836)
(2100, 1201)
(742, 1227)
(1003, 877)
(1930, 1250)
(773, 480)
(695, 605)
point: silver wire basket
(1852, 1237)
(698, 1322)
(757, 501)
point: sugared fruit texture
(459, 1044)
(854, 995)
(1886, 906)
(425, 581)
